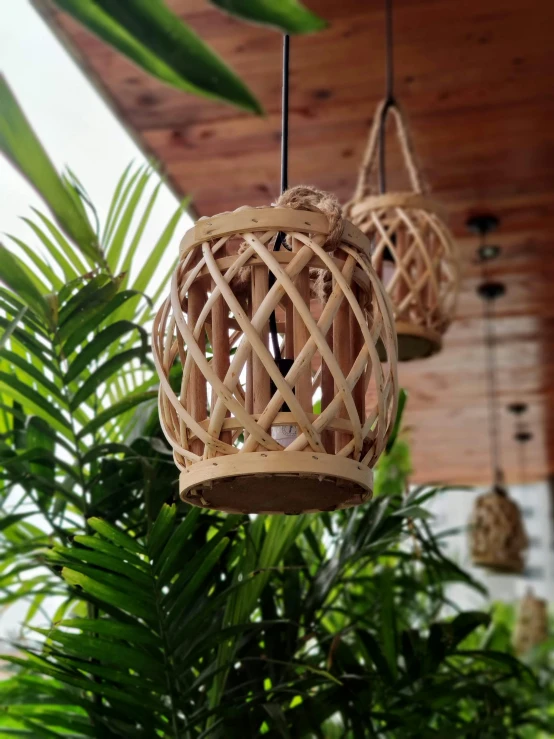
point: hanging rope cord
(284, 179)
(374, 157)
(389, 101)
(492, 387)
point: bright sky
(77, 130)
(75, 126)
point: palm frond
(159, 628)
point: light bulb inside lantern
(285, 434)
(387, 270)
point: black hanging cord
(285, 116)
(389, 95)
(522, 461)
(284, 179)
(492, 386)
(522, 436)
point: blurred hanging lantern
(531, 627)
(281, 426)
(497, 535)
(413, 251)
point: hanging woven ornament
(531, 627)
(413, 251)
(497, 534)
(498, 538)
(267, 354)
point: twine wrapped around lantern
(531, 627)
(252, 432)
(497, 535)
(413, 251)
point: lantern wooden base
(276, 482)
(499, 566)
(414, 342)
(497, 536)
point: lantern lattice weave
(531, 627)
(413, 251)
(247, 435)
(497, 535)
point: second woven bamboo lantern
(413, 251)
(282, 426)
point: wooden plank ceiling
(476, 81)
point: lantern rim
(400, 199)
(416, 342)
(268, 218)
(348, 482)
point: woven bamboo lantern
(531, 627)
(253, 432)
(498, 538)
(413, 251)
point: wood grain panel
(476, 81)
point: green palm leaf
(134, 642)
(289, 16)
(157, 40)
(20, 145)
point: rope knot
(305, 197)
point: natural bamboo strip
(342, 351)
(251, 333)
(289, 330)
(220, 348)
(301, 336)
(357, 345)
(324, 323)
(327, 395)
(260, 377)
(314, 331)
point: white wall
(77, 130)
(453, 509)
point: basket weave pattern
(413, 251)
(423, 284)
(222, 393)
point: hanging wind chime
(266, 348)
(413, 251)
(531, 627)
(497, 535)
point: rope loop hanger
(273, 330)
(413, 250)
(374, 158)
